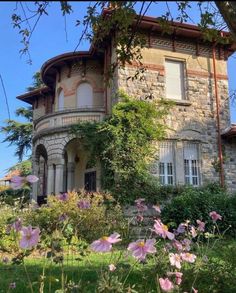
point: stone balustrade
(68, 117)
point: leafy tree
(212, 14)
(18, 133)
(125, 143)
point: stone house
(180, 66)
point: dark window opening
(90, 181)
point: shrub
(101, 216)
(196, 203)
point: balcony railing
(69, 116)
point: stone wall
(191, 119)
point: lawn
(217, 273)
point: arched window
(84, 95)
(61, 100)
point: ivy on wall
(125, 143)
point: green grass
(218, 275)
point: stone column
(71, 176)
(179, 163)
(50, 179)
(59, 178)
(34, 193)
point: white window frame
(169, 81)
(191, 164)
(166, 163)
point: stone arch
(41, 169)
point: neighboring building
(179, 67)
(6, 180)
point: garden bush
(83, 215)
(196, 203)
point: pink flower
(215, 216)
(112, 267)
(83, 204)
(194, 290)
(31, 178)
(141, 207)
(12, 285)
(177, 245)
(63, 196)
(201, 226)
(175, 260)
(30, 237)
(104, 244)
(181, 228)
(18, 182)
(139, 218)
(193, 232)
(162, 230)
(5, 259)
(166, 284)
(17, 225)
(178, 276)
(157, 208)
(189, 257)
(186, 244)
(140, 248)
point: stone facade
(59, 158)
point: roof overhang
(229, 132)
(30, 97)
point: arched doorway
(41, 159)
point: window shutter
(174, 79)
(166, 152)
(190, 151)
(84, 95)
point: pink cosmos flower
(166, 284)
(201, 226)
(83, 204)
(189, 257)
(141, 207)
(31, 178)
(162, 230)
(175, 260)
(157, 208)
(12, 285)
(17, 225)
(186, 244)
(139, 218)
(63, 196)
(140, 248)
(5, 259)
(181, 228)
(193, 232)
(112, 267)
(215, 216)
(18, 182)
(178, 276)
(29, 237)
(177, 245)
(104, 244)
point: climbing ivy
(125, 142)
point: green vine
(125, 143)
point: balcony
(68, 117)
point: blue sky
(49, 40)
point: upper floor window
(61, 100)
(166, 163)
(191, 164)
(174, 79)
(84, 95)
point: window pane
(174, 79)
(161, 169)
